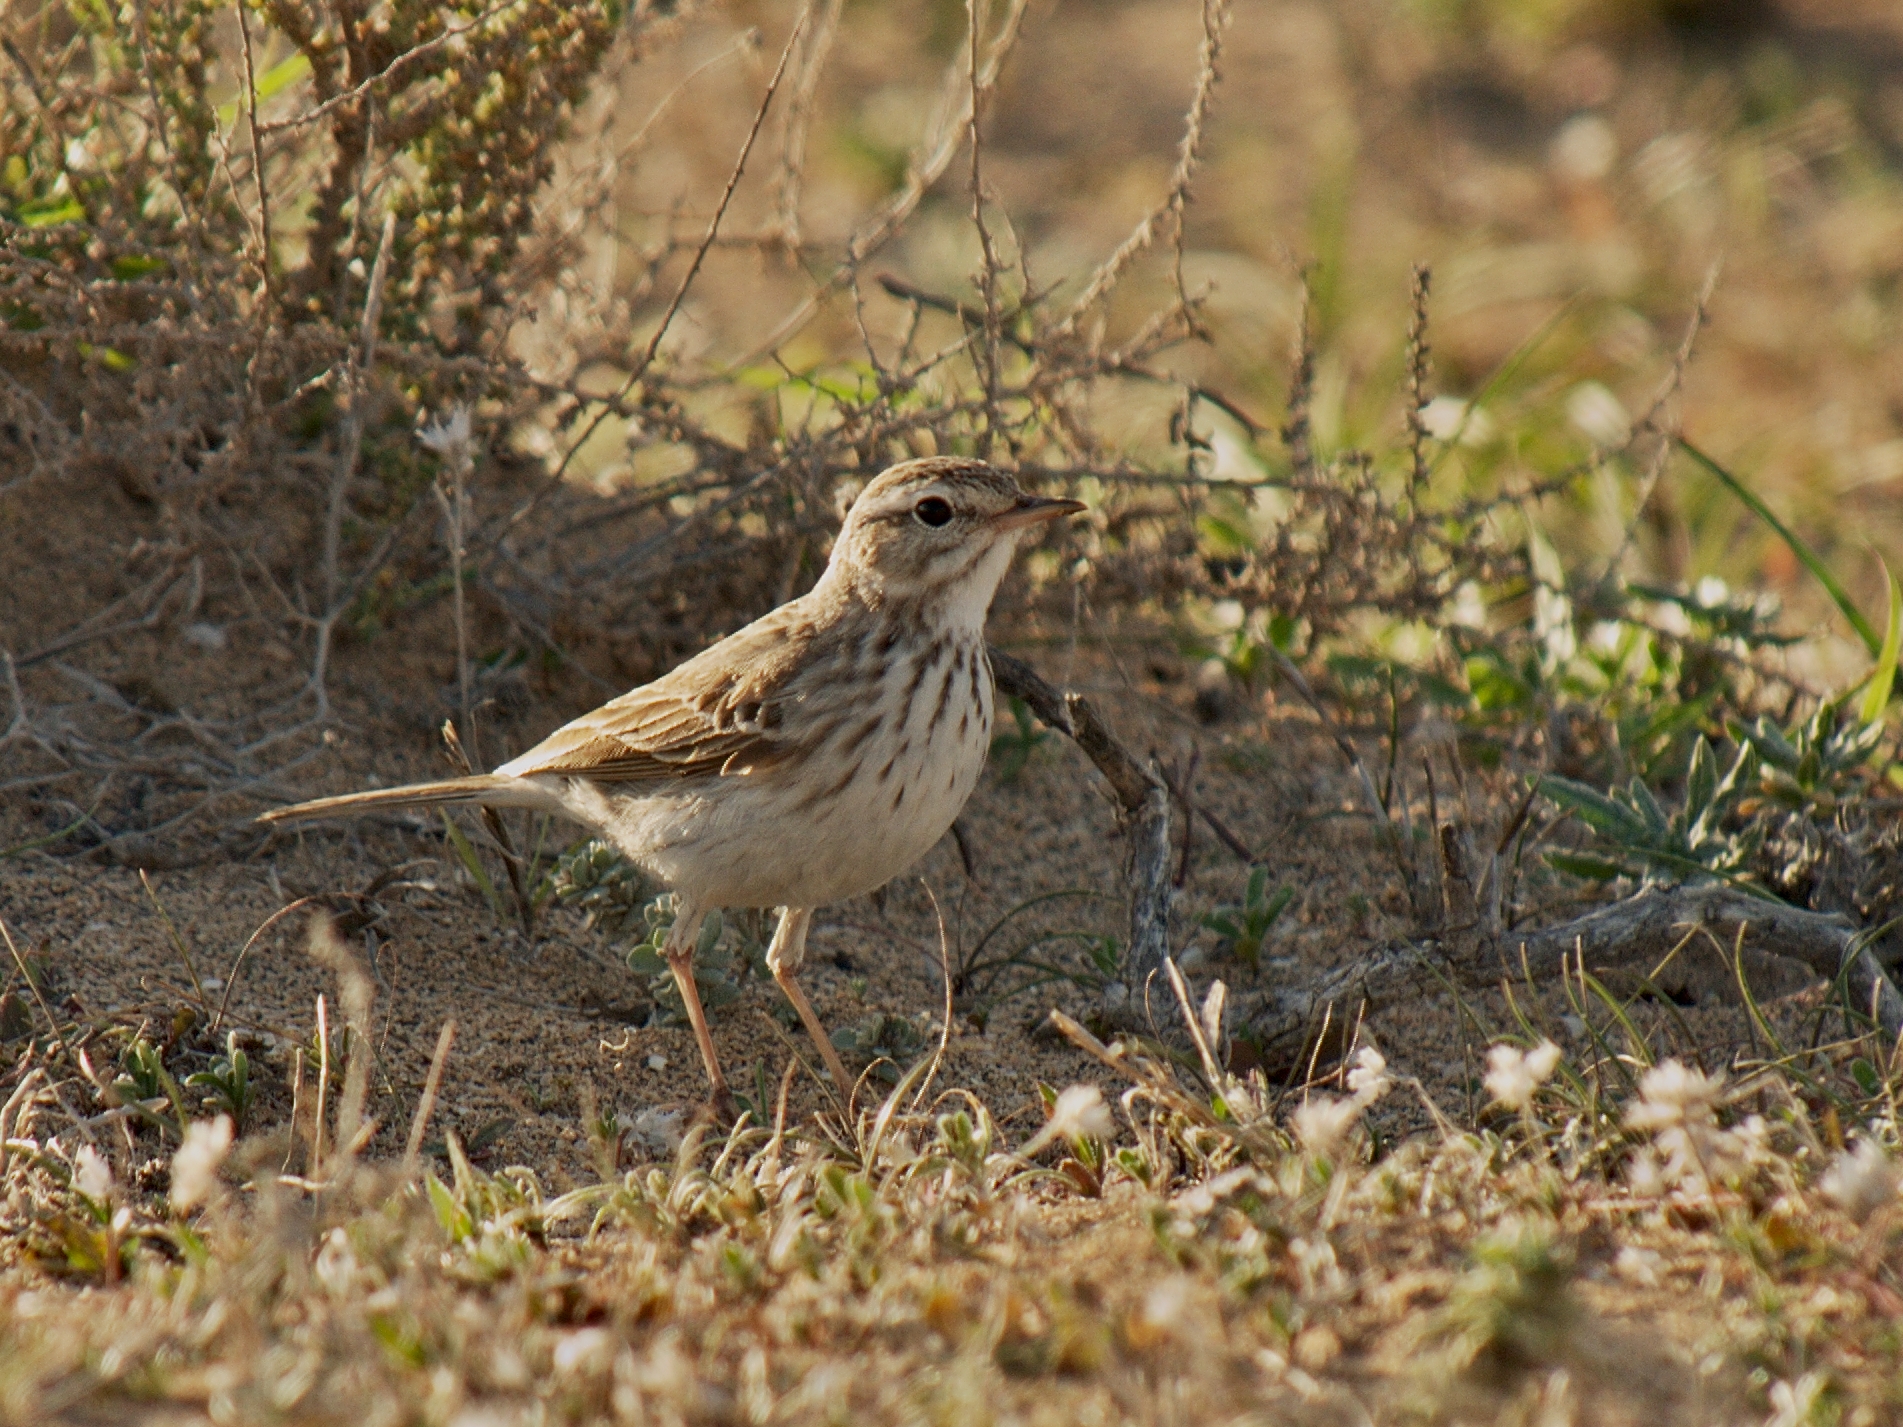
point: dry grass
(1679, 1253)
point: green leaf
(646, 960)
(1811, 561)
(1773, 747)
(1657, 820)
(1876, 698)
(275, 80)
(1701, 780)
(132, 266)
(472, 864)
(1595, 809)
(451, 1215)
(1864, 1073)
(1583, 864)
(50, 212)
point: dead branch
(1143, 806)
(1636, 932)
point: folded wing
(721, 714)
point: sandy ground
(546, 1021)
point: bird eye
(933, 511)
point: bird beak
(1032, 510)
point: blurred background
(1571, 170)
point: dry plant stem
(1638, 931)
(1399, 840)
(431, 1083)
(316, 1166)
(792, 173)
(1160, 1083)
(14, 1110)
(1180, 789)
(455, 507)
(154, 598)
(390, 71)
(1143, 801)
(1653, 419)
(52, 1026)
(355, 985)
(1418, 370)
(985, 360)
(257, 164)
(231, 980)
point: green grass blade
(1812, 561)
(472, 864)
(1876, 698)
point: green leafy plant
(1816, 765)
(718, 970)
(887, 1042)
(1242, 929)
(229, 1081)
(611, 893)
(1643, 840)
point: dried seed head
(195, 1166)
(93, 1175)
(1861, 1179)
(1513, 1075)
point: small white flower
(1861, 1179)
(1795, 1403)
(1080, 1113)
(1369, 1079)
(1446, 417)
(195, 1166)
(335, 1266)
(94, 1176)
(1164, 1311)
(1644, 1176)
(448, 437)
(1321, 1123)
(574, 1350)
(1640, 1266)
(1584, 150)
(1674, 1094)
(1678, 1105)
(1513, 1075)
(1599, 414)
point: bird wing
(719, 714)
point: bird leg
(784, 958)
(679, 953)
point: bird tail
(491, 788)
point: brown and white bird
(810, 757)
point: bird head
(939, 531)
